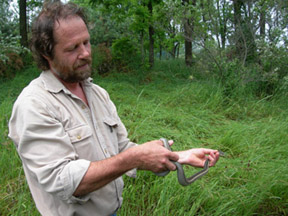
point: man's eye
(72, 48)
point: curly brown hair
(42, 40)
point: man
(73, 145)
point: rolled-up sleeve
(46, 150)
(123, 141)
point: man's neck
(75, 88)
(71, 86)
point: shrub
(10, 65)
(274, 62)
(11, 55)
(125, 55)
(102, 59)
(263, 77)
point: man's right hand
(155, 157)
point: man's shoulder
(100, 91)
(33, 88)
(34, 93)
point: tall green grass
(14, 192)
(252, 178)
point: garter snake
(180, 172)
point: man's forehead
(66, 26)
(65, 22)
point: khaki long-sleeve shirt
(57, 136)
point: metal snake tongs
(180, 172)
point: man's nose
(85, 51)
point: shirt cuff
(71, 176)
(132, 173)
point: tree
(244, 33)
(23, 23)
(131, 10)
(188, 30)
(151, 34)
(262, 20)
(223, 19)
(150, 4)
(6, 24)
(139, 25)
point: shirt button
(83, 106)
(78, 137)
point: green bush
(13, 57)
(125, 55)
(102, 59)
(274, 62)
(264, 77)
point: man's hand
(155, 157)
(196, 157)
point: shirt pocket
(80, 137)
(111, 123)
(110, 129)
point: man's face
(72, 50)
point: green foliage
(8, 24)
(274, 63)
(125, 55)
(10, 60)
(140, 18)
(102, 59)
(103, 29)
(262, 78)
(13, 57)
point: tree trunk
(222, 22)
(238, 33)
(178, 50)
(142, 46)
(188, 34)
(262, 21)
(250, 34)
(23, 23)
(151, 35)
(205, 36)
(160, 51)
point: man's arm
(148, 156)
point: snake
(182, 179)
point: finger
(209, 151)
(173, 156)
(171, 166)
(159, 142)
(216, 156)
(213, 158)
(170, 142)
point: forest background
(226, 63)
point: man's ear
(48, 59)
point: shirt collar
(54, 85)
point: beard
(79, 71)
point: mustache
(83, 62)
